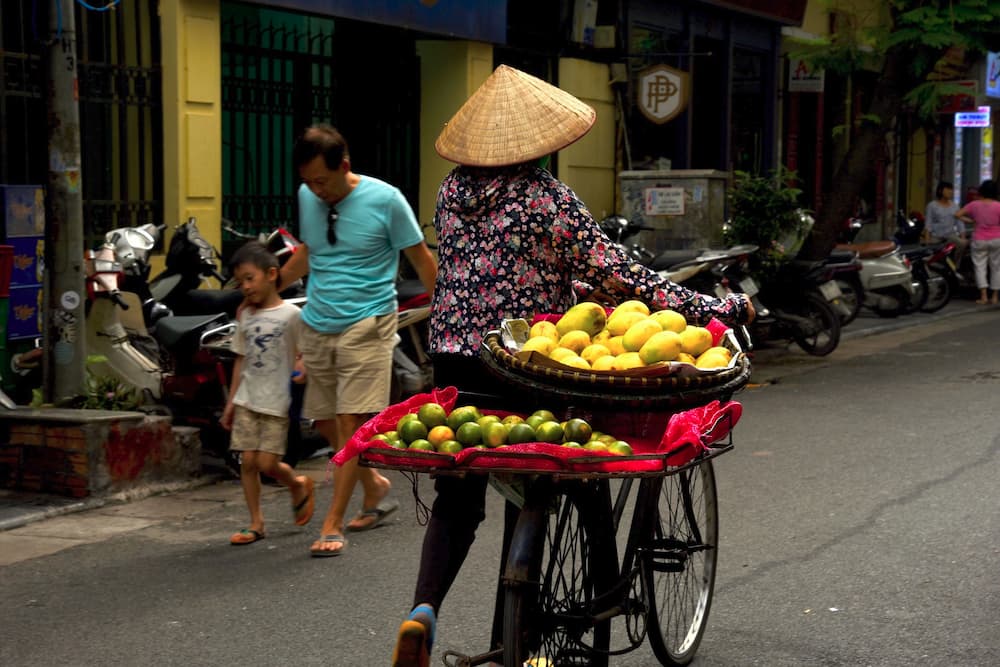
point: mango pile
(585, 337)
(434, 429)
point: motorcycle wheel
(938, 290)
(901, 298)
(921, 291)
(853, 296)
(824, 336)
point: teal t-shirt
(355, 278)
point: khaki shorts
(349, 373)
(257, 432)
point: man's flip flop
(246, 536)
(332, 538)
(305, 507)
(377, 515)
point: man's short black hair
(255, 253)
(320, 139)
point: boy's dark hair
(988, 189)
(255, 253)
(941, 187)
(320, 139)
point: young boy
(257, 412)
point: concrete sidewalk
(19, 509)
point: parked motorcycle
(621, 231)
(800, 303)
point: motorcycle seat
(408, 289)
(212, 301)
(869, 250)
(915, 250)
(172, 331)
(840, 256)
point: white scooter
(885, 275)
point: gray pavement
(33, 524)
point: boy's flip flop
(375, 516)
(305, 507)
(246, 536)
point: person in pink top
(984, 213)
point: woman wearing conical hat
(512, 242)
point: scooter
(888, 283)
(620, 230)
(179, 378)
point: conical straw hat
(513, 117)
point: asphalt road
(859, 526)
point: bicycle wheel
(678, 560)
(548, 617)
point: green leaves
(764, 211)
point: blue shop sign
(481, 20)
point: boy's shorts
(349, 373)
(257, 432)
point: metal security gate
(282, 71)
(121, 120)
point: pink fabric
(987, 217)
(687, 435)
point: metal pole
(63, 317)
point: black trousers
(460, 505)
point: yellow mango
(685, 358)
(620, 321)
(615, 345)
(542, 344)
(593, 351)
(634, 306)
(628, 360)
(670, 320)
(695, 340)
(661, 346)
(559, 353)
(544, 328)
(602, 337)
(575, 362)
(575, 340)
(637, 334)
(587, 316)
(605, 363)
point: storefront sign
(482, 20)
(804, 77)
(980, 118)
(663, 92)
(993, 74)
(664, 201)
(955, 103)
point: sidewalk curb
(120, 498)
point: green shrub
(764, 211)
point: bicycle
(563, 582)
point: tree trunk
(858, 166)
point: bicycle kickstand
(471, 660)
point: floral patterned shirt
(511, 243)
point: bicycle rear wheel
(548, 616)
(678, 560)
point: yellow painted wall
(588, 166)
(449, 73)
(192, 115)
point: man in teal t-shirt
(352, 229)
